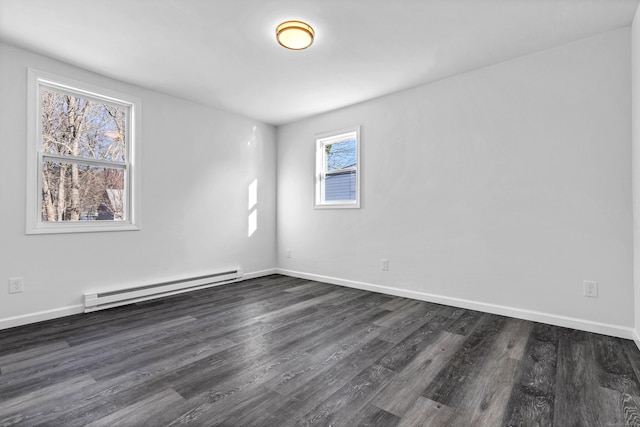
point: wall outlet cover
(590, 288)
(16, 285)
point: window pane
(72, 192)
(82, 127)
(341, 155)
(340, 186)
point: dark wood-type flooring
(280, 351)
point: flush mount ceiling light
(295, 35)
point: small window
(338, 170)
(81, 157)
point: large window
(338, 170)
(81, 157)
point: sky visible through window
(81, 127)
(341, 155)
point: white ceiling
(223, 53)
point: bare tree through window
(84, 154)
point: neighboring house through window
(338, 170)
(81, 157)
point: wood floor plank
(328, 374)
(250, 407)
(630, 409)
(304, 394)
(255, 412)
(449, 311)
(427, 413)
(30, 354)
(254, 351)
(403, 312)
(400, 393)
(65, 356)
(278, 351)
(450, 385)
(235, 389)
(331, 296)
(619, 408)
(109, 394)
(402, 354)
(336, 409)
(532, 397)
(613, 368)
(19, 384)
(577, 400)
(12, 411)
(161, 352)
(487, 395)
(372, 416)
(106, 354)
(520, 330)
(396, 303)
(144, 412)
(304, 286)
(336, 350)
(364, 321)
(465, 323)
(404, 323)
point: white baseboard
(26, 319)
(261, 273)
(535, 316)
(636, 338)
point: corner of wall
(635, 166)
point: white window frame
(321, 172)
(37, 80)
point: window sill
(338, 206)
(79, 227)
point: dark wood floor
(280, 351)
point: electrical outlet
(16, 285)
(384, 264)
(590, 289)
(288, 253)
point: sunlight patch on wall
(253, 209)
(253, 194)
(253, 222)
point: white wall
(197, 165)
(500, 189)
(635, 73)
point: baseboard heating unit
(103, 300)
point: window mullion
(84, 161)
(340, 171)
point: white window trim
(34, 223)
(321, 141)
